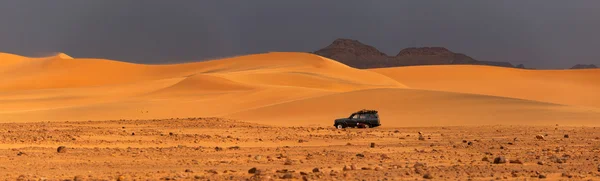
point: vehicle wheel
(339, 126)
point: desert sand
(123, 120)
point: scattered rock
(288, 162)
(257, 157)
(287, 176)
(188, 171)
(302, 141)
(428, 176)
(253, 170)
(79, 178)
(540, 163)
(372, 145)
(121, 178)
(499, 160)
(566, 136)
(539, 137)
(315, 170)
(218, 149)
(347, 168)
(421, 138)
(20, 153)
(61, 149)
(541, 176)
(385, 156)
(360, 155)
(234, 148)
(566, 175)
(517, 161)
(485, 159)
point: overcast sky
(537, 33)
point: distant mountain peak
(424, 51)
(359, 55)
(584, 66)
(352, 46)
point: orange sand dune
(572, 87)
(286, 88)
(409, 107)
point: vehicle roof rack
(367, 111)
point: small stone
(253, 170)
(132, 133)
(485, 159)
(360, 155)
(421, 138)
(517, 161)
(428, 176)
(372, 145)
(218, 149)
(79, 178)
(566, 136)
(61, 149)
(315, 170)
(234, 148)
(378, 168)
(121, 178)
(540, 163)
(188, 170)
(288, 162)
(384, 156)
(287, 176)
(539, 137)
(257, 157)
(499, 160)
(347, 168)
(541, 176)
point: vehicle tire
(339, 126)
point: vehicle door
(362, 118)
(352, 120)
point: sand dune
(286, 88)
(572, 87)
(408, 107)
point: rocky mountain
(356, 54)
(584, 66)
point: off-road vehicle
(361, 119)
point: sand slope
(407, 107)
(287, 88)
(572, 87)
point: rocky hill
(356, 54)
(584, 66)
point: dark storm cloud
(543, 33)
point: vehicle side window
(361, 116)
(354, 116)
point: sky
(544, 34)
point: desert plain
(270, 116)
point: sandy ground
(220, 149)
